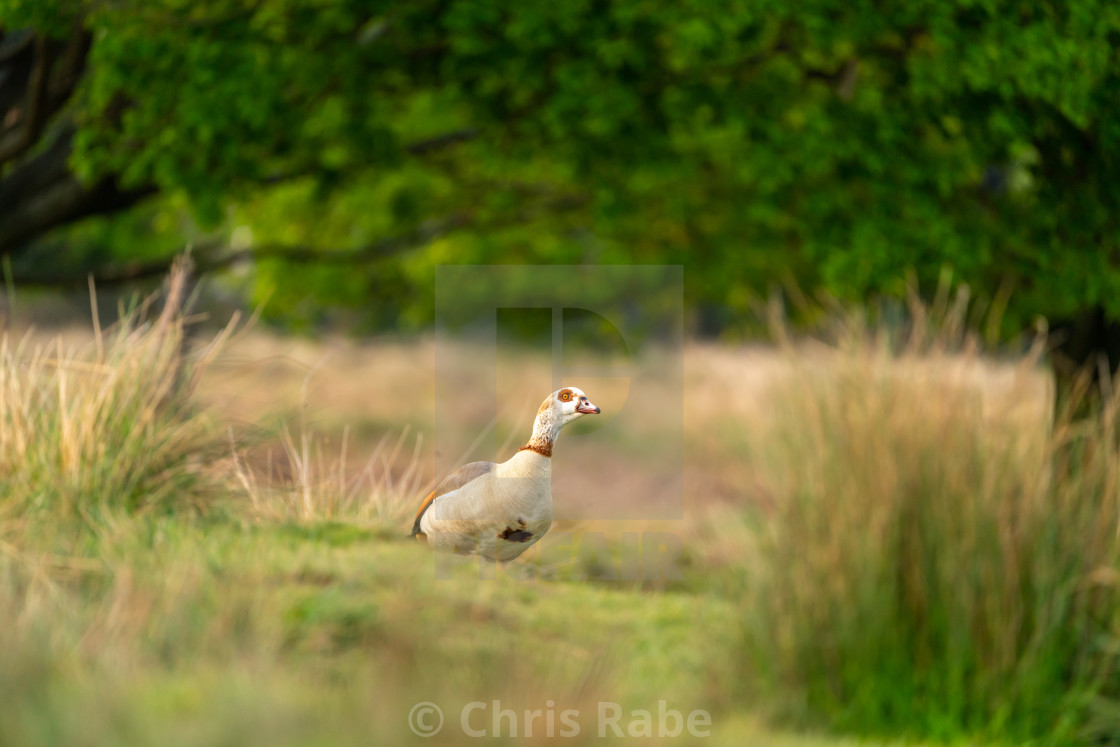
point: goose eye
(565, 396)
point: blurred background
(322, 158)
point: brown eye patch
(565, 395)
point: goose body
(499, 510)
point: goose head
(568, 404)
(558, 409)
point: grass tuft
(92, 434)
(937, 554)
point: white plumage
(500, 510)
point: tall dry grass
(308, 483)
(94, 432)
(936, 553)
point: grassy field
(206, 543)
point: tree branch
(41, 193)
(35, 112)
(442, 141)
(217, 256)
(71, 64)
(17, 59)
(13, 43)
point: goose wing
(457, 479)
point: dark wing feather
(454, 481)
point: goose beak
(587, 408)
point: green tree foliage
(835, 145)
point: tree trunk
(38, 191)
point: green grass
(935, 560)
(918, 564)
(203, 627)
(155, 589)
(208, 631)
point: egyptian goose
(498, 511)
